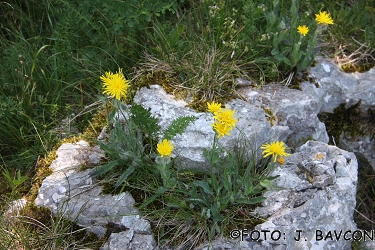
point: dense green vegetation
(53, 52)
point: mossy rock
(349, 121)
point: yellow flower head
(221, 129)
(323, 18)
(226, 116)
(115, 85)
(165, 148)
(275, 149)
(303, 30)
(213, 107)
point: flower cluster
(225, 119)
(323, 18)
(115, 85)
(276, 149)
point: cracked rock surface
(75, 195)
(312, 199)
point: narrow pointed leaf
(104, 168)
(125, 175)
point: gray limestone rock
(336, 87)
(129, 240)
(362, 145)
(320, 200)
(293, 108)
(75, 195)
(139, 225)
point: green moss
(98, 122)
(42, 171)
(357, 67)
(302, 77)
(347, 120)
(172, 84)
(169, 81)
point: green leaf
(105, 168)
(272, 177)
(211, 155)
(125, 175)
(280, 57)
(227, 183)
(203, 185)
(7, 176)
(182, 203)
(248, 188)
(207, 213)
(211, 233)
(20, 179)
(159, 191)
(216, 214)
(175, 201)
(112, 114)
(251, 201)
(197, 201)
(125, 155)
(275, 51)
(178, 126)
(266, 183)
(143, 119)
(107, 148)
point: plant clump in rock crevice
(34, 227)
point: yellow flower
(226, 116)
(303, 30)
(275, 149)
(281, 160)
(165, 148)
(221, 129)
(115, 85)
(213, 107)
(323, 18)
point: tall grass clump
(214, 42)
(189, 49)
(352, 40)
(51, 60)
(36, 228)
